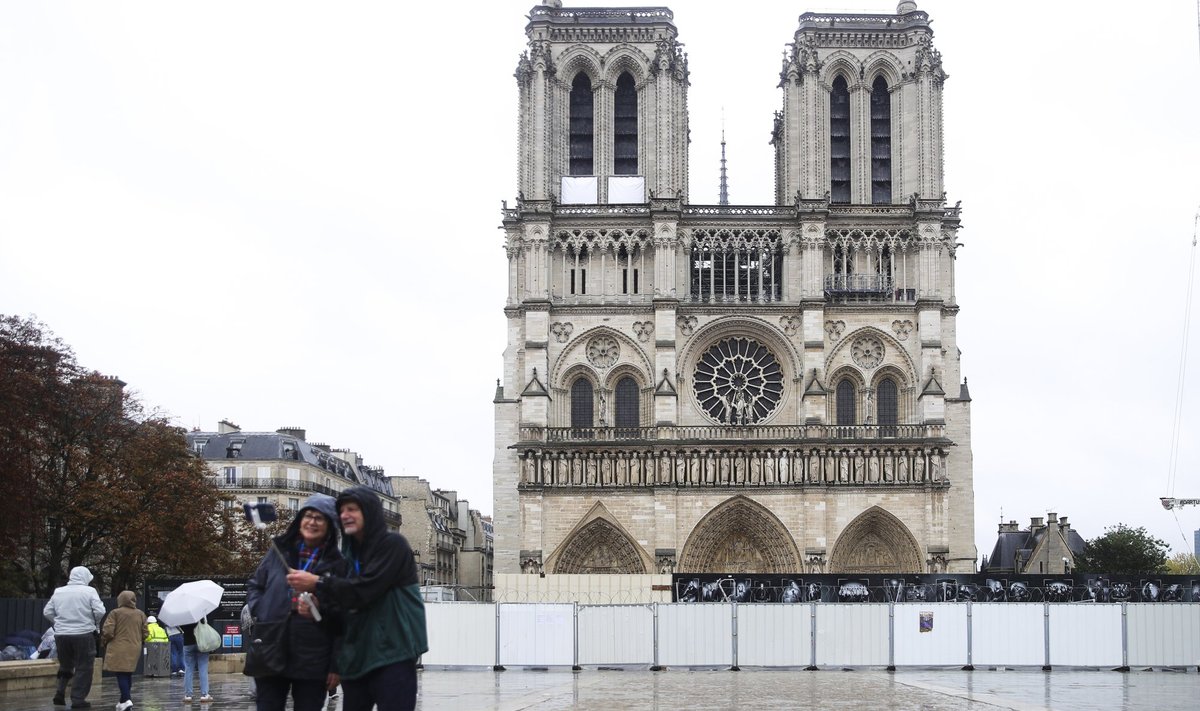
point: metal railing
(392, 518)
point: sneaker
(187, 699)
(125, 705)
(206, 699)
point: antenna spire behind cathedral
(723, 199)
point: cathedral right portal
(724, 388)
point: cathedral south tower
(723, 388)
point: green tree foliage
(1123, 550)
(1183, 564)
(90, 479)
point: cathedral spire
(723, 199)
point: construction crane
(1169, 503)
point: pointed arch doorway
(740, 536)
(876, 542)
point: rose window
(603, 351)
(738, 381)
(868, 351)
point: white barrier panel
(930, 634)
(460, 633)
(537, 635)
(1008, 634)
(616, 634)
(852, 635)
(1085, 635)
(773, 635)
(695, 634)
(1163, 634)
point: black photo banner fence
(933, 587)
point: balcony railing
(732, 434)
(392, 518)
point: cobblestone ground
(516, 690)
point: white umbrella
(189, 602)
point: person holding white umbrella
(187, 606)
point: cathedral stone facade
(723, 388)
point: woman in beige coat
(124, 630)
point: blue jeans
(193, 660)
(176, 652)
(125, 685)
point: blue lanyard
(311, 556)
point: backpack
(207, 639)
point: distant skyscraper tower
(1196, 544)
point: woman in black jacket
(309, 544)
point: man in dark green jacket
(381, 599)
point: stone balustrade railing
(717, 434)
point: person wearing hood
(124, 629)
(75, 610)
(309, 544)
(380, 598)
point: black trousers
(390, 688)
(307, 694)
(76, 658)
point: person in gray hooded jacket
(75, 610)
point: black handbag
(266, 649)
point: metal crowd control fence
(813, 635)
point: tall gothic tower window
(625, 160)
(581, 125)
(847, 413)
(888, 404)
(839, 142)
(881, 143)
(627, 409)
(582, 404)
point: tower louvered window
(625, 129)
(581, 125)
(839, 142)
(881, 143)
(846, 410)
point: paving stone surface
(520, 690)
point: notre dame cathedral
(724, 388)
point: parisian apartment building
(452, 542)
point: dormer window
(234, 450)
(289, 450)
(198, 445)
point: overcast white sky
(286, 214)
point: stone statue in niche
(590, 463)
(606, 473)
(889, 469)
(936, 472)
(902, 467)
(873, 467)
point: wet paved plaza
(516, 690)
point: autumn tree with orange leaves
(87, 477)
